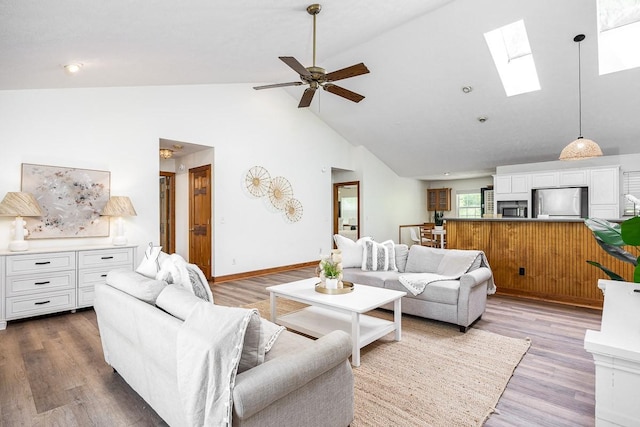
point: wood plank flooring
(52, 372)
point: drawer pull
(42, 283)
(103, 275)
(43, 262)
(42, 302)
(107, 257)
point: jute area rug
(435, 376)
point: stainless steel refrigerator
(561, 202)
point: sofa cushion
(402, 251)
(369, 278)
(136, 284)
(378, 256)
(423, 259)
(351, 251)
(177, 301)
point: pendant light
(581, 148)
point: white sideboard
(616, 355)
(44, 281)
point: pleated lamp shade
(119, 206)
(20, 204)
(581, 149)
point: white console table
(43, 281)
(616, 354)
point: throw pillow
(423, 259)
(402, 251)
(150, 264)
(378, 256)
(135, 284)
(254, 347)
(351, 251)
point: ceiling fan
(316, 77)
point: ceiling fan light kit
(316, 77)
(581, 148)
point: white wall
(117, 129)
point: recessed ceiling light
(467, 89)
(447, 173)
(483, 119)
(73, 68)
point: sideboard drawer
(33, 305)
(86, 296)
(21, 264)
(20, 285)
(105, 258)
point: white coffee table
(327, 313)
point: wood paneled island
(542, 259)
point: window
(631, 186)
(511, 52)
(618, 35)
(468, 203)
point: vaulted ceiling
(421, 53)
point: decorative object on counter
(438, 219)
(330, 272)
(612, 238)
(19, 204)
(119, 206)
(71, 200)
(581, 148)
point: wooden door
(167, 211)
(200, 218)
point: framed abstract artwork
(71, 200)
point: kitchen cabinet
(573, 178)
(512, 184)
(439, 199)
(604, 193)
(544, 180)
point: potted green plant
(613, 238)
(438, 219)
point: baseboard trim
(256, 273)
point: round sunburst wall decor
(280, 192)
(293, 210)
(257, 181)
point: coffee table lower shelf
(317, 321)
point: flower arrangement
(330, 269)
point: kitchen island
(542, 259)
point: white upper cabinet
(544, 180)
(573, 178)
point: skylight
(509, 46)
(618, 35)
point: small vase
(331, 283)
(438, 227)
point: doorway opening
(168, 211)
(346, 209)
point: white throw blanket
(453, 265)
(209, 350)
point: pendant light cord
(579, 90)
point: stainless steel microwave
(514, 212)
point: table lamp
(119, 206)
(19, 204)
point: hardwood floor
(52, 372)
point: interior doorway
(168, 211)
(200, 218)
(346, 209)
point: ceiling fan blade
(345, 93)
(345, 73)
(295, 65)
(278, 85)
(307, 97)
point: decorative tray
(346, 288)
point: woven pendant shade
(580, 149)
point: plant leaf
(611, 274)
(617, 252)
(630, 231)
(607, 231)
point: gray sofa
(300, 382)
(459, 301)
